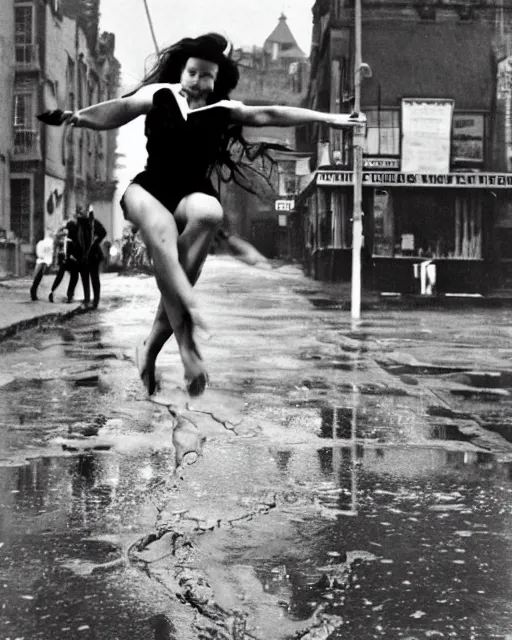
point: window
(417, 222)
(468, 139)
(20, 208)
(24, 24)
(24, 33)
(287, 178)
(23, 110)
(24, 130)
(383, 132)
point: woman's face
(198, 78)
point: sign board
(504, 98)
(426, 134)
(400, 179)
(285, 205)
(282, 220)
(381, 163)
(468, 138)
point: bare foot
(195, 373)
(197, 386)
(146, 367)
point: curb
(36, 321)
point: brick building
(60, 62)
(436, 184)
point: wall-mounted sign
(282, 220)
(504, 98)
(400, 179)
(381, 163)
(468, 138)
(426, 134)
(285, 205)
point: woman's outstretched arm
(282, 116)
(112, 114)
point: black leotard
(181, 151)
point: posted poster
(426, 133)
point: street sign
(285, 205)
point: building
(9, 250)
(276, 73)
(436, 182)
(61, 62)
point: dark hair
(236, 155)
(211, 47)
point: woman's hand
(343, 120)
(55, 117)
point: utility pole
(357, 155)
(150, 22)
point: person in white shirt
(44, 260)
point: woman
(191, 126)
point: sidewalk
(18, 311)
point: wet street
(332, 482)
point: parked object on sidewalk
(44, 259)
(426, 272)
(193, 131)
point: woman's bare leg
(200, 216)
(159, 231)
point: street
(331, 483)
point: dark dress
(181, 152)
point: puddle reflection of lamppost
(338, 453)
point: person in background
(44, 260)
(89, 235)
(67, 261)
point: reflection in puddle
(447, 432)
(407, 542)
(57, 519)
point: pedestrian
(91, 233)
(44, 260)
(67, 261)
(192, 130)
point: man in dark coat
(89, 235)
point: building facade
(9, 250)
(276, 73)
(61, 62)
(436, 183)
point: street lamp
(361, 69)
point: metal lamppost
(360, 69)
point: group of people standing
(78, 252)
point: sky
(243, 22)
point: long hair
(238, 158)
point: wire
(151, 26)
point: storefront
(423, 233)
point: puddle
(427, 531)
(63, 520)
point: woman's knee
(200, 208)
(132, 203)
